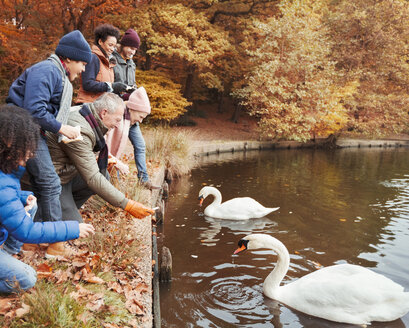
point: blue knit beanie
(74, 46)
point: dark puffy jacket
(39, 89)
(14, 220)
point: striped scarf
(100, 144)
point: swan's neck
(273, 280)
(217, 197)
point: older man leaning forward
(81, 173)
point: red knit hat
(139, 101)
(130, 39)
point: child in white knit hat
(137, 108)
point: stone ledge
(210, 148)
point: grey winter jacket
(124, 70)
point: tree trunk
(236, 114)
(220, 108)
(189, 83)
(148, 62)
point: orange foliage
(30, 29)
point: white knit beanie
(138, 100)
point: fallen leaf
(85, 317)
(109, 325)
(59, 276)
(23, 310)
(134, 307)
(93, 279)
(95, 260)
(44, 270)
(5, 305)
(342, 220)
(78, 264)
(95, 305)
(141, 287)
(116, 287)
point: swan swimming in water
(343, 293)
(241, 208)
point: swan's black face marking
(242, 246)
(201, 199)
(243, 242)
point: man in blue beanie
(45, 91)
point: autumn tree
(165, 95)
(180, 40)
(30, 29)
(370, 46)
(291, 87)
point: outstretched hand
(30, 202)
(138, 210)
(69, 131)
(86, 230)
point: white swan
(343, 293)
(241, 208)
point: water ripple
(227, 301)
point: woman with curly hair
(19, 138)
(98, 76)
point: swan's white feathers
(240, 208)
(343, 293)
(348, 287)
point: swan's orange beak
(201, 199)
(240, 249)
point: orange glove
(138, 210)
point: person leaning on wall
(81, 174)
(98, 76)
(19, 138)
(45, 91)
(125, 75)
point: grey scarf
(66, 97)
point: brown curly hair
(102, 32)
(19, 136)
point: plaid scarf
(100, 144)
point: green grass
(52, 306)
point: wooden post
(166, 265)
(165, 190)
(160, 212)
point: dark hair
(19, 136)
(102, 32)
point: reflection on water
(341, 206)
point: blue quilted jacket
(39, 89)
(14, 220)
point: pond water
(347, 205)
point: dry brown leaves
(81, 270)
(12, 307)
